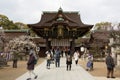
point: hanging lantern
(82, 49)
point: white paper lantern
(82, 49)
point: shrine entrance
(61, 42)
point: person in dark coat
(68, 61)
(57, 58)
(31, 64)
(110, 66)
(15, 60)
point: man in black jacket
(110, 65)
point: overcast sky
(91, 11)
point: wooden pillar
(47, 44)
(72, 45)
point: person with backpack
(31, 64)
(48, 53)
(68, 62)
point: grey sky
(91, 11)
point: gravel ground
(9, 73)
(99, 69)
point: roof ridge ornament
(60, 10)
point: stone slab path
(76, 73)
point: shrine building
(60, 28)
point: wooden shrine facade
(60, 28)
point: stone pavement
(104, 78)
(76, 73)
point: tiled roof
(103, 35)
(71, 19)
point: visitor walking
(57, 58)
(89, 62)
(15, 60)
(48, 53)
(68, 62)
(110, 66)
(52, 56)
(76, 56)
(31, 64)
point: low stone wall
(99, 59)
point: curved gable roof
(72, 19)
